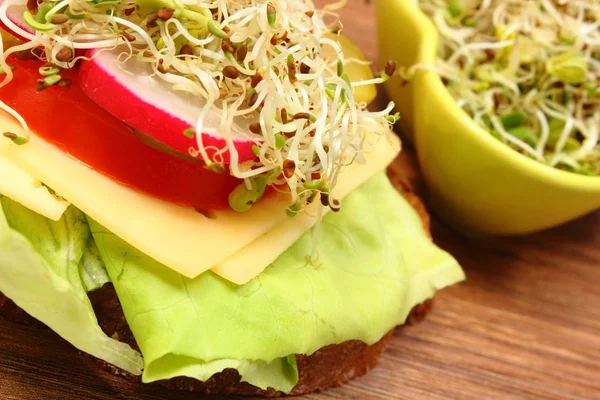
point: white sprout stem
(212, 90)
(374, 81)
(479, 46)
(186, 34)
(353, 60)
(591, 140)
(545, 133)
(566, 132)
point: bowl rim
(427, 52)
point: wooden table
(525, 324)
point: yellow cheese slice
(179, 237)
(254, 258)
(18, 184)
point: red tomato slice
(67, 118)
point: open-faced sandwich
(214, 162)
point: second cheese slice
(254, 258)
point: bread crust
(330, 366)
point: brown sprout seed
(16, 139)
(241, 53)
(304, 69)
(390, 67)
(162, 68)
(186, 50)
(152, 17)
(64, 54)
(165, 13)
(59, 19)
(253, 99)
(497, 100)
(255, 128)
(289, 167)
(129, 37)
(227, 46)
(231, 72)
(284, 116)
(10, 135)
(302, 115)
(335, 205)
(256, 79)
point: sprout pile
(526, 71)
(273, 62)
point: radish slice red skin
(112, 93)
(69, 120)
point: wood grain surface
(525, 324)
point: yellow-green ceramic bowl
(477, 184)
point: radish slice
(13, 22)
(132, 93)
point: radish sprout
(275, 63)
(526, 71)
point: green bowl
(477, 184)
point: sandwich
(208, 173)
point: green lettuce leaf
(39, 271)
(375, 263)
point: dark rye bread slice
(330, 366)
